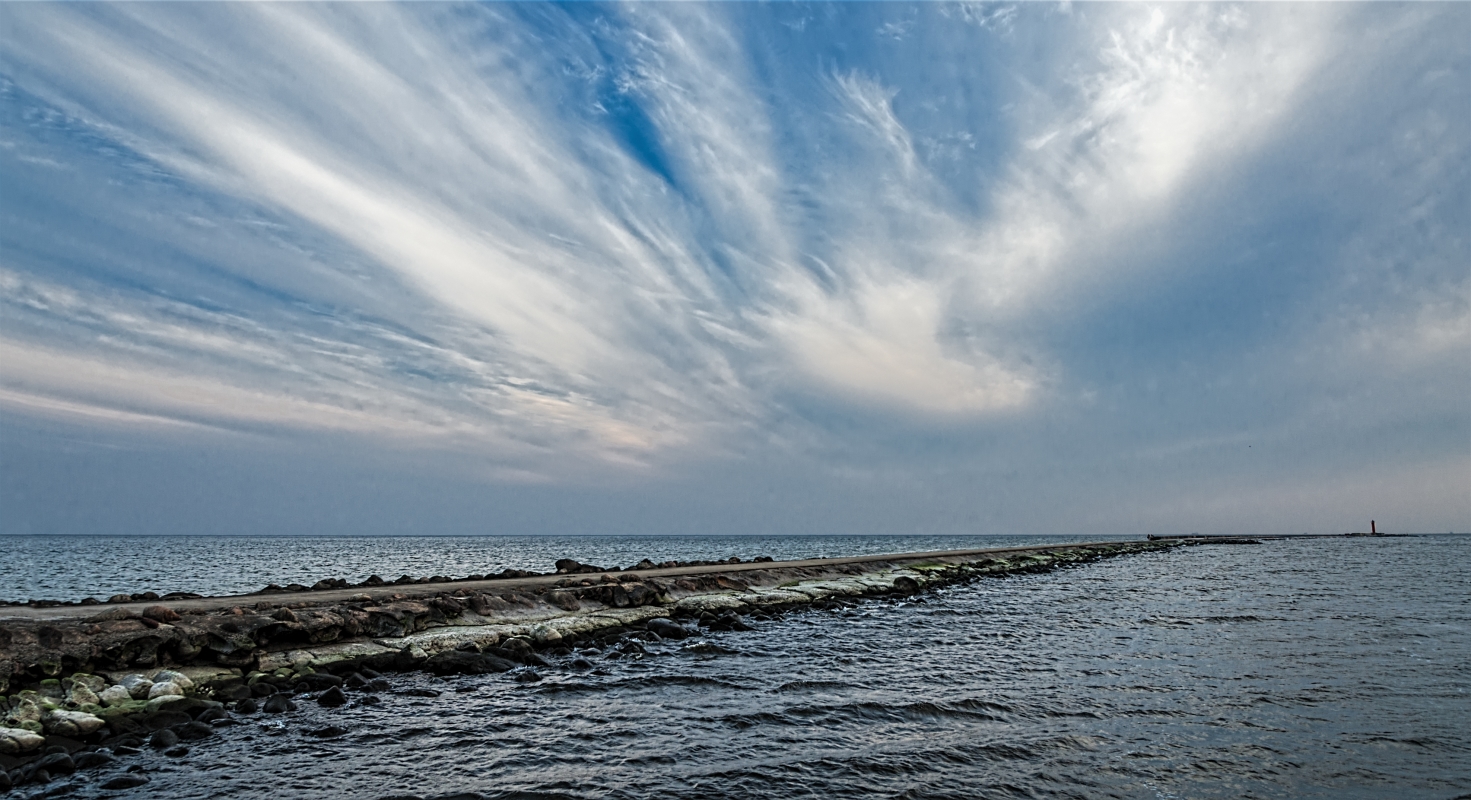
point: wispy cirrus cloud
(650, 234)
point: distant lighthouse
(1373, 531)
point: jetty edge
(93, 675)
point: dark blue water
(74, 567)
(1299, 669)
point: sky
(777, 268)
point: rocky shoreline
(82, 689)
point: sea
(1308, 668)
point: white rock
(70, 723)
(165, 688)
(137, 686)
(177, 678)
(155, 702)
(14, 741)
(115, 695)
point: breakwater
(87, 683)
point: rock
(332, 698)
(14, 741)
(22, 710)
(177, 752)
(75, 724)
(160, 614)
(329, 732)
(4, 781)
(566, 601)
(191, 706)
(527, 676)
(284, 615)
(94, 682)
(905, 585)
(124, 782)
(137, 686)
(355, 681)
(233, 693)
(212, 714)
(115, 695)
(581, 663)
(164, 719)
(246, 706)
(163, 700)
(93, 758)
(164, 689)
(458, 662)
(321, 680)
(82, 696)
(57, 764)
(278, 704)
(263, 689)
(667, 628)
(193, 731)
(177, 678)
(163, 739)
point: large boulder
(15, 741)
(137, 686)
(165, 688)
(94, 682)
(23, 708)
(459, 662)
(667, 628)
(80, 695)
(115, 695)
(72, 724)
(179, 679)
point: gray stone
(14, 741)
(137, 686)
(164, 688)
(73, 724)
(115, 695)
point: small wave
(799, 686)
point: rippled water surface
(74, 567)
(1323, 668)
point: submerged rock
(332, 698)
(667, 628)
(459, 662)
(278, 704)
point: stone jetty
(82, 684)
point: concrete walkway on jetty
(534, 584)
